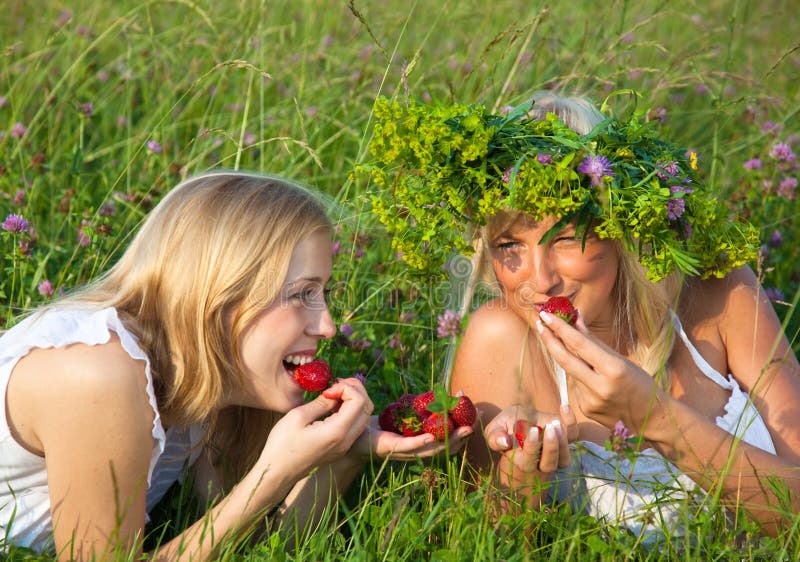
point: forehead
(511, 223)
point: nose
(545, 275)
(323, 325)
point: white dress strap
(699, 360)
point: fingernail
(504, 442)
(550, 432)
(557, 426)
(545, 316)
(539, 326)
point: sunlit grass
(177, 87)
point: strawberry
(400, 417)
(561, 306)
(521, 428)
(422, 401)
(438, 425)
(313, 376)
(464, 412)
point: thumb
(314, 410)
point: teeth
(298, 359)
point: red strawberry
(313, 376)
(521, 428)
(464, 413)
(400, 417)
(421, 403)
(438, 425)
(561, 306)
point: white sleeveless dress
(25, 518)
(648, 494)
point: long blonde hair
(217, 246)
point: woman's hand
(387, 444)
(542, 453)
(606, 386)
(320, 431)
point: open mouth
(291, 362)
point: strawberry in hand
(562, 307)
(313, 376)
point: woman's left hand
(605, 386)
(374, 442)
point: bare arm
(494, 366)
(609, 387)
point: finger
(498, 440)
(315, 409)
(569, 423)
(548, 461)
(570, 359)
(527, 458)
(579, 344)
(564, 459)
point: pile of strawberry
(434, 412)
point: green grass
(287, 88)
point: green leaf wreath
(442, 171)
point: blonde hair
(643, 319)
(211, 255)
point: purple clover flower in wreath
(15, 223)
(544, 158)
(675, 209)
(596, 167)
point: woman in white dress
(182, 356)
(675, 342)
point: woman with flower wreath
(675, 379)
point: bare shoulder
(496, 356)
(86, 382)
(719, 301)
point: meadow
(105, 105)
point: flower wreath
(443, 170)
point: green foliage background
(287, 87)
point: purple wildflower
(45, 288)
(86, 109)
(19, 197)
(449, 324)
(774, 294)
(701, 89)
(776, 239)
(426, 96)
(63, 18)
(787, 187)
(619, 438)
(107, 209)
(596, 167)
(544, 158)
(83, 237)
(121, 121)
(15, 223)
(506, 109)
(25, 247)
(18, 130)
(752, 164)
(407, 316)
(675, 208)
(311, 111)
(361, 344)
(659, 114)
(359, 252)
(667, 170)
(154, 146)
(361, 377)
(782, 152)
(346, 330)
(336, 248)
(394, 341)
(3, 101)
(507, 176)
(771, 128)
(103, 76)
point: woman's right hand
(320, 431)
(542, 453)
